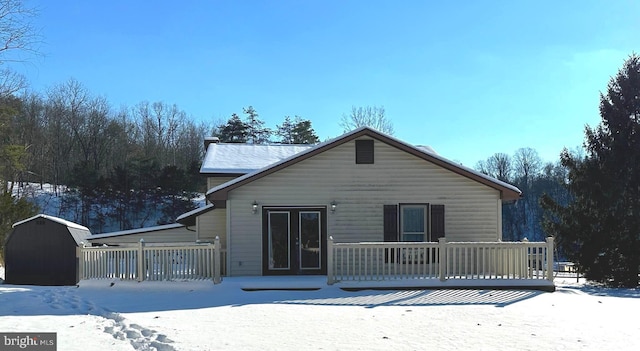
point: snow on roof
(426, 148)
(246, 158)
(136, 231)
(189, 217)
(54, 219)
(423, 149)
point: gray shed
(41, 250)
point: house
(41, 250)
(274, 207)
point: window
(364, 151)
(413, 223)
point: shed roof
(78, 232)
(235, 158)
(54, 219)
(507, 191)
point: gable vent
(364, 151)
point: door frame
(294, 232)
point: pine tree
(285, 131)
(256, 132)
(297, 132)
(234, 131)
(600, 228)
(12, 210)
(303, 133)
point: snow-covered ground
(108, 315)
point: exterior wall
(360, 191)
(173, 235)
(212, 224)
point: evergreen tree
(600, 228)
(256, 132)
(303, 133)
(12, 210)
(285, 131)
(234, 131)
(297, 132)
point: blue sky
(469, 78)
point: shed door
(294, 241)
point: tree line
(111, 161)
(534, 177)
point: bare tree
(368, 116)
(18, 39)
(498, 166)
(527, 163)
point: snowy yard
(201, 316)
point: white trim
(205, 208)
(228, 229)
(499, 220)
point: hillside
(103, 217)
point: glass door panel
(279, 239)
(309, 240)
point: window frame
(426, 233)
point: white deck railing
(153, 262)
(441, 260)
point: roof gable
(507, 191)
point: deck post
(330, 280)
(442, 258)
(216, 261)
(141, 260)
(80, 261)
(550, 258)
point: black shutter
(364, 151)
(437, 222)
(390, 230)
(390, 222)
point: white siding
(360, 191)
(212, 224)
